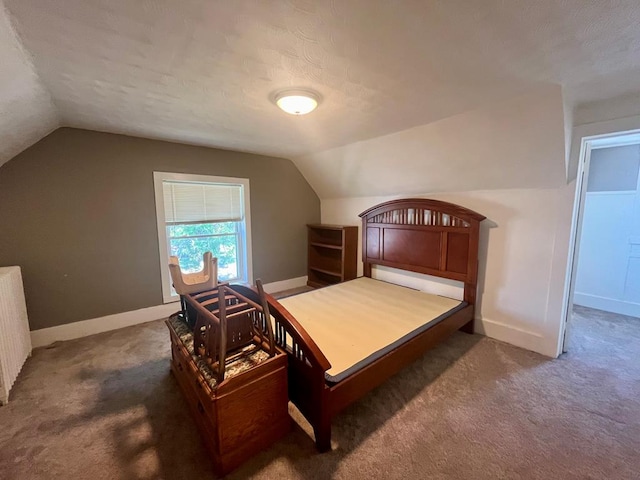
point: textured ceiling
(517, 143)
(26, 111)
(201, 71)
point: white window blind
(202, 203)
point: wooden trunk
(243, 415)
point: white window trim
(158, 178)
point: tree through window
(196, 214)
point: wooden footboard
(308, 389)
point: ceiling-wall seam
(28, 56)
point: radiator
(15, 340)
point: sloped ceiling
(202, 71)
(516, 143)
(26, 111)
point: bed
(416, 235)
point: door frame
(587, 145)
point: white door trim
(587, 144)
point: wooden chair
(195, 282)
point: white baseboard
(607, 304)
(274, 287)
(84, 328)
(516, 336)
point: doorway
(604, 288)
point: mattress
(354, 323)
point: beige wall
(77, 213)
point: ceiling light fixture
(298, 101)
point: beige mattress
(356, 322)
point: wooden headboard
(425, 236)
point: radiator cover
(15, 339)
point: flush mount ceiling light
(298, 101)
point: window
(614, 169)
(196, 213)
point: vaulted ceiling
(26, 110)
(202, 71)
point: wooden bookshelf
(333, 251)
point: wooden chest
(241, 415)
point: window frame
(245, 267)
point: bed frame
(418, 235)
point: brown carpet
(105, 407)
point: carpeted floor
(105, 407)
